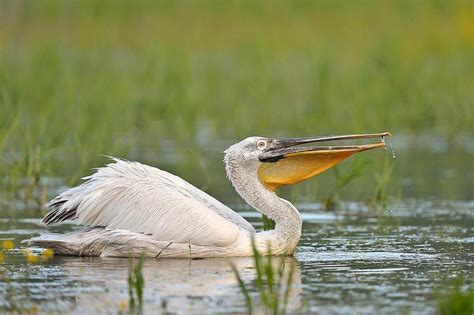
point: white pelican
(130, 208)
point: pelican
(130, 209)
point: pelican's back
(138, 198)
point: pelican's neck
(287, 232)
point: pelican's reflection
(171, 285)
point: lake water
(348, 261)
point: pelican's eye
(261, 144)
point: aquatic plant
(243, 289)
(272, 283)
(344, 175)
(136, 284)
(458, 301)
(380, 196)
(268, 224)
(34, 190)
(30, 256)
(10, 303)
(8, 244)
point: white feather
(138, 198)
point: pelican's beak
(285, 162)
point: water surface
(349, 261)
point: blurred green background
(173, 83)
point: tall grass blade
(269, 283)
(379, 199)
(243, 289)
(136, 284)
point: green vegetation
(136, 284)
(268, 224)
(166, 81)
(380, 197)
(344, 175)
(457, 301)
(273, 283)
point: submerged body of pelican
(129, 208)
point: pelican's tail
(99, 242)
(56, 243)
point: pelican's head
(279, 162)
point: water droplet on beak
(390, 145)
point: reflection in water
(348, 262)
(190, 286)
(183, 285)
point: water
(353, 260)
(345, 262)
(390, 145)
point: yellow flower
(47, 253)
(31, 258)
(123, 305)
(34, 309)
(7, 244)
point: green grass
(143, 80)
(268, 224)
(380, 197)
(344, 175)
(273, 284)
(457, 301)
(136, 284)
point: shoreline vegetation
(173, 84)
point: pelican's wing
(139, 198)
